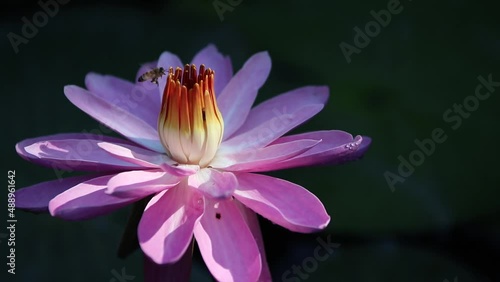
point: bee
(153, 74)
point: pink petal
(271, 129)
(337, 147)
(166, 227)
(36, 197)
(264, 157)
(284, 103)
(166, 61)
(140, 183)
(180, 169)
(274, 117)
(134, 155)
(119, 119)
(214, 183)
(72, 152)
(139, 99)
(238, 96)
(212, 58)
(87, 200)
(226, 243)
(253, 223)
(282, 202)
(147, 158)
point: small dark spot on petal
(217, 215)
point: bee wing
(144, 69)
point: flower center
(190, 124)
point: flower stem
(178, 271)
(129, 242)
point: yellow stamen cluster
(190, 124)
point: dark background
(441, 223)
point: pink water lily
(194, 145)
